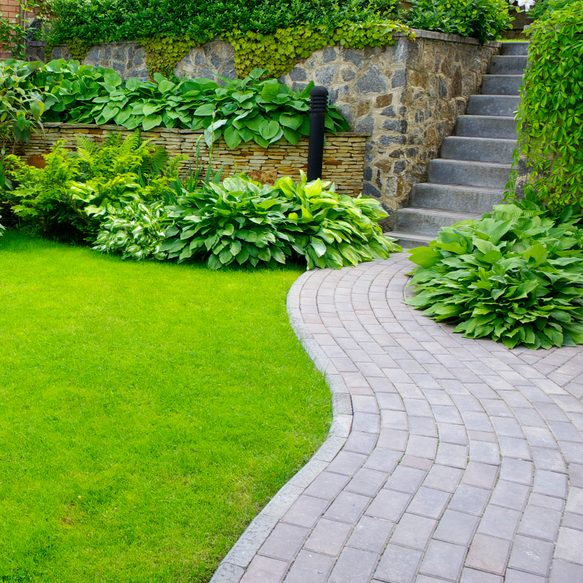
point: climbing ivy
(164, 53)
(550, 114)
(278, 53)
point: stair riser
(515, 49)
(507, 65)
(461, 202)
(411, 243)
(501, 85)
(486, 127)
(497, 151)
(423, 224)
(445, 172)
(505, 106)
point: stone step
(486, 126)
(515, 48)
(481, 174)
(428, 222)
(450, 197)
(410, 240)
(495, 150)
(508, 64)
(503, 105)
(501, 84)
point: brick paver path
(449, 459)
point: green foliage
(2, 228)
(135, 230)
(199, 20)
(68, 198)
(515, 276)
(242, 222)
(21, 107)
(164, 53)
(550, 115)
(238, 110)
(543, 7)
(278, 52)
(13, 32)
(481, 19)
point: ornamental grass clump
(515, 276)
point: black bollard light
(318, 106)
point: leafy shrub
(135, 230)
(21, 108)
(481, 19)
(542, 8)
(201, 21)
(240, 110)
(243, 222)
(550, 114)
(69, 196)
(515, 276)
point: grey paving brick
(443, 560)
(443, 478)
(469, 499)
(306, 511)
(484, 452)
(429, 502)
(360, 442)
(367, 482)
(570, 545)
(453, 455)
(456, 527)
(531, 555)
(572, 520)
(406, 479)
(310, 567)
(540, 522)
(480, 474)
(516, 471)
(328, 537)
(413, 531)
(348, 507)
(473, 576)
(284, 541)
(353, 565)
(510, 494)
(499, 521)
(395, 439)
(347, 463)
(389, 504)
(548, 458)
(546, 501)
(513, 576)
(265, 569)
(489, 554)
(371, 534)
(327, 485)
(398, 565)
(550, 483)
(575, 500)
(565, 572)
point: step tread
(457, 188)
(458, 216)
(409, 236)
(471, 163)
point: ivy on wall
(163, 54)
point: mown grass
(147, 412)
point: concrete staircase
(469, 177)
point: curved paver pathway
(449, 459)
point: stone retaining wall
(343, 153)
(406, 97)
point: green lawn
(147, 412)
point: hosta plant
(515, 276)
(244, 222)
(135, 230)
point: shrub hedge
(550, 115)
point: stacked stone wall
(406, 97)
(343, 153)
